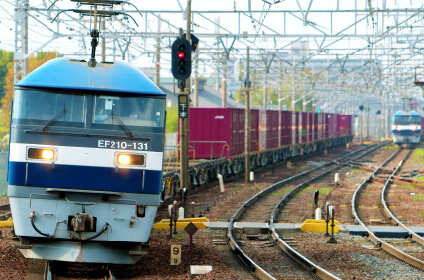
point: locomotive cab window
(137, 113)
(42, 107)
(407, 120)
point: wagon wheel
(202, 177)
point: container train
(216, 140)
(85, 162)
(407, 128)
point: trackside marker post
(191, 229)
(175, 254)
(221, 183)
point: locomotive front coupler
(82, 222)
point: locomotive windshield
(407, 120)
(89, 111)
(132, 111)
(40, 107)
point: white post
(318, 214)
(180, 213)
(221, 183)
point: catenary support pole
(247, 121)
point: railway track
(258, 267)
(53, 270)
(399, 251)
(5, 212)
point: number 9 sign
(175, 254)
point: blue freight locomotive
(406, 128)
(85, 161)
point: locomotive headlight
(130, 159)
(48, 154)
(41, 154)
(124, 159)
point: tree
(172, 119)
(6, 61)
(33, 63)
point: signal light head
(181, 59)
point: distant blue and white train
(85, 161)
(407, 127)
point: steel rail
(5, 211)
(245, 259)
(4, 207)
(301, 260)
(389, 213)
(379, 242)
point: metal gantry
(332, 55)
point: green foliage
(280, 192)
(307, 190)
(390, 147)
(238, 187)
(357, 170)
(418, 197)
(172, 119)
(422, 213)
(409, 186)
(180, 235)
(6, 61)
(420, 178)
(419, 152)
(325, 191)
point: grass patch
(4, 196)
(422, 213)
(409, 186)
(418, 197)
(420, 178)
(238, 187)
(304, 166)
(180, 235)
(307, 190)
(419, 152)
(325, 191)
(357, 170)
(257, 188)
(280, 192)
(390, 147)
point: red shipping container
(272, 129)
(315, 128)
(286, 128)
(320, 126)
(325, 123)
(211, 127)
(254, 130)
(332, 125)
(262, 129)
(344, 125)
(304, 127)
(297, 127)
(311, 127)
